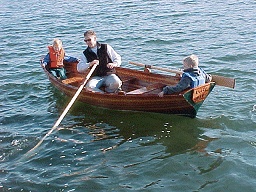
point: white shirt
(83, 64)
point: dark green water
(97, 149)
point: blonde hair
(57, 43)
(190, 62)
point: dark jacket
(102, 56)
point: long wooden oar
(219, 80)
(66, 109)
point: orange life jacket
(56, 58)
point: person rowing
(106, 58)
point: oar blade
(79, 90)
(224, 81)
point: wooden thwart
(147, 89)
(72, 80)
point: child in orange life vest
(54, 60)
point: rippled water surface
(97, 149)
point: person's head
(90, 38)
(190, 62)
(57, 45)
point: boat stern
(196, 96)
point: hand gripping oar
(219, 80)
(66, 109)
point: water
(103, 150)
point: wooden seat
(73, 80)
(147, 89)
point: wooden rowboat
(141, 88)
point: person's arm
(116, 58)
(83, 64)
(46, 60)
(70, 59)
(183, 84)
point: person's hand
(161, 94)
(110, 65)
(94, 62)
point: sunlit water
(103, 150)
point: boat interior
(133, 81)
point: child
(193, 76)
(54, 60)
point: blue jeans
(58, 72)
(111, 82)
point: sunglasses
(87, 40)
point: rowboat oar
(66, 109)
(219, 80)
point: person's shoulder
(186, 74)
(185, 78)
(109, 47)
(105, 45)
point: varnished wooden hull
(149, 101)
